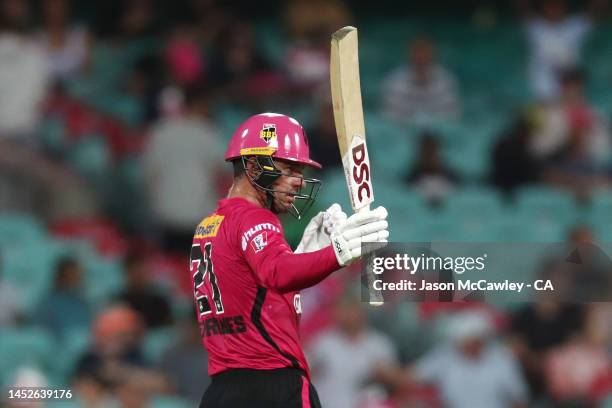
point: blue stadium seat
(169, 402)
(73, 345)
(27, 346)
(476, 202)
(600, 209)
(29, 267)
(121, 106)
(470, 159)
(103, 278)
(547, 204)
(516, 226)
(438, 226)
(16, 229)
(86, 88)
(53, 134)
(407, 211)
(599, 215)
(157, 342)
(228, 119)
(91, 156)
(334, 190)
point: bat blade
(348, 116)
(350, 128)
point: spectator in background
(240, 70)
(322, 136)
(115, 360)
(588, 267)
(66, 45)
(184, 56)
(64, 307)
(138, 19)
(310, 25)
(303, 17)
(185, 363)
(430, 175)
(23, 72)
(423, 91)
(472, 371)
(538, 327)
(141, 296)
(26, 377)
(185, 65)
(572, 369)
(145, 86)
(573, 138)
(513, 163)
(580, 234)
(210, 17)
(125, 21)
(181, 174)
(556, 39)
(347, 357)
(307, 62)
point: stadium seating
(29, 268)
(168, 402)
(16, 229)
(25, 347)
(73, 345)
(91, 157)
(599, 215)
(52, 131)
(157, 341)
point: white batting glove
(366, 226)
(317, 232)
(332, 218)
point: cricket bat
(350, 126)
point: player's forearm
(289, 272)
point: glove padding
(365, 226)
(317, 232)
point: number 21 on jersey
(201, 267)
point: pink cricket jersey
(247, 282)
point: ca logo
(297, 303)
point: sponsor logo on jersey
(297, 303)
(260, 241)
(268, 132)
(265, 226)
(209, 226)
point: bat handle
(375, 296)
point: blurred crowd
(113, 122)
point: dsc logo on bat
(357, 168)
(361, 171)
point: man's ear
(252, 168)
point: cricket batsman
(246, 277)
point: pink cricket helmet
(271, 134)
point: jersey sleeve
(273, 262)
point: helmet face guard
(265, 173)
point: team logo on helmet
(268, 132)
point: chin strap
(270, 200)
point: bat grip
(375, 296)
